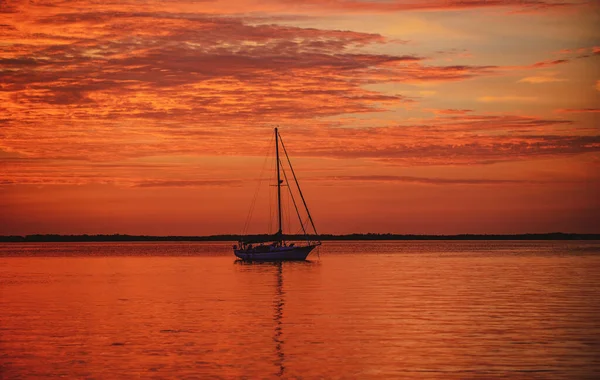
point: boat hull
(279, 254)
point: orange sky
(433, 116)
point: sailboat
(275, 247)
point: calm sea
(357, 310)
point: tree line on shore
(355, 236)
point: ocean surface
(356, 310)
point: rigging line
(294, 201)
(253, 203)
(270, 197)
(288, 210)
(271, 212)
(260, 180)
(306, 223)
(286, 213)
(298, 186)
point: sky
(402, 116)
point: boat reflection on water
(278, 304)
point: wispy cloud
(437, 180)
(106, 85)
(578, 53)
(578, 110)
(189, 183)
(549, 77)
(449, 111)
(506, 99)
(549, 63)
(455, 140)
(323, 6)
(114, 83)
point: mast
(279, 232)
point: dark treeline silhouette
(368, 236)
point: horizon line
(351, 236)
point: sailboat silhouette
(278, 248)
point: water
(422, 310)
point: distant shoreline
(327, 237)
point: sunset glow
(402, 116)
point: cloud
(449, 111)
(189, 183)
(580, 52)
(549, 63)
(540, 79)
(304, 6)
(401, 5)
(506, 99)
(115, 155)
(109, 85)
(105, 83)
(483, 150)
(578, 110)
(435, 180)
(550, 77)
(219, 67)
(452, 140)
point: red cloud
(549, 63)
(184, 74)
(435, 180)
(106, 85)
(578, 110)
(449, 111)
(315, 6)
